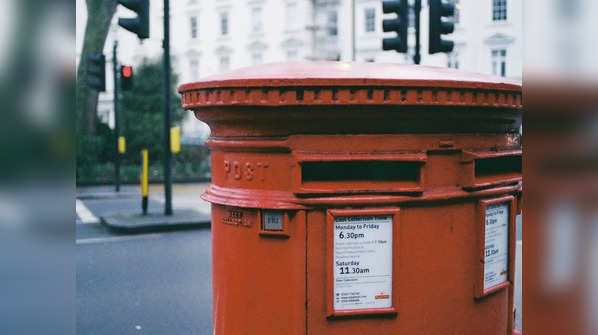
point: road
(156, 283)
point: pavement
(124, 208)
(156, 282)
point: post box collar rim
(344, 74)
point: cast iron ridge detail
(254, 198)
(193, 98)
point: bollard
(144, 176)
(175, 140)
(122, 145)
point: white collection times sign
(362, 262)
(496, 250)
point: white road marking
(108, 239)
(84, 213)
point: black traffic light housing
(399, 25)
(140, 24)
(126, 77)
(96, 72)
(441, 23)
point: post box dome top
(346, 83)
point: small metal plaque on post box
(496, 249)
(363, 263)
(272, 220)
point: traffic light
(441, 23)
(140, 24)
(398, 25)
(96, 72)
(126, 77)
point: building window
(499, 62)
(224, 63)
(223, 23)
(291, 54)
(370, 20)
(332, 24)
(193, 24)
(257, 57)
(256, 17)
(194, 69)
(453, 60)
(291, 15)
(499, 10)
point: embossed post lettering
(237, 170)
(226, 168)
(248, 171)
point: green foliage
(94, 150)
(141, 112)
(142, 124)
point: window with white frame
(499, 10)
(453, 60)
(332, 23)
(223, 23)
(256, 18)
(193, 26)
(292, 54)
(224, 63)
(291, 15)
(194, 69)
(370, 20)
(499, 62)
(257, 57)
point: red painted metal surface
(311, 139)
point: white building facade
(214, 36)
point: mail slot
(361, 198)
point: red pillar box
(361, 198)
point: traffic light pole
(353, 46)
(116, 121)
(417, 8)
(166, 107)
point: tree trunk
(99, 15)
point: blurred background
(211, 37)
(58, 144)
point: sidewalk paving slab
(153, 221)
(106, 192)
(106, 195)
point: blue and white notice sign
(362, 262)
(496, 251)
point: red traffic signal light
(126, 77)
(126, 71)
